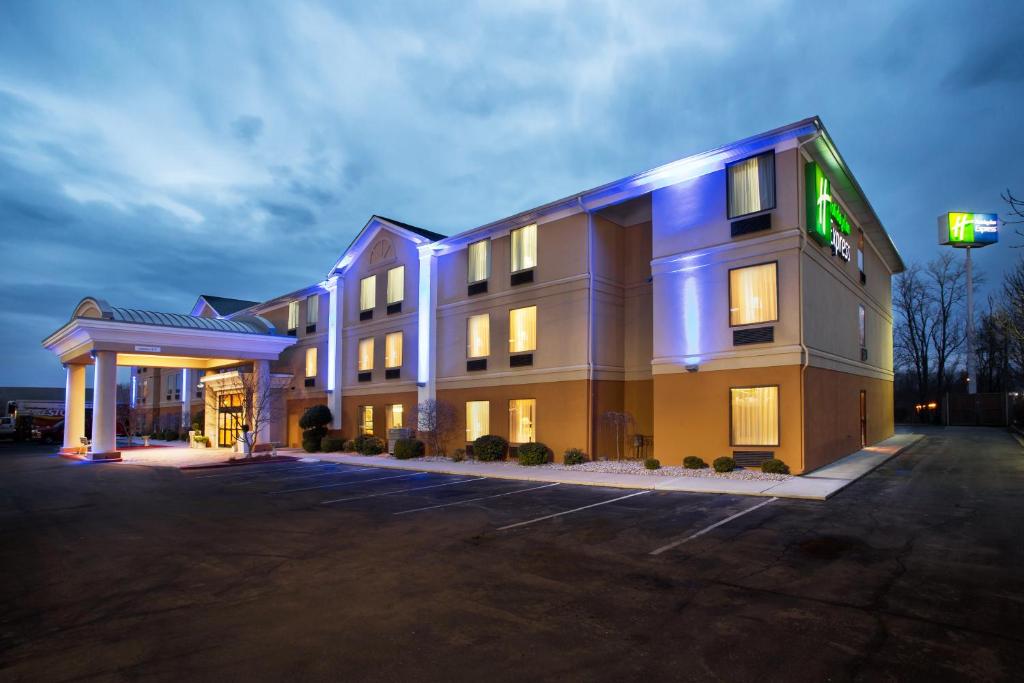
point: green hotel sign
(826, 222)
(964, 229)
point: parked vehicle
(6, 428)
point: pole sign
(826, 221)
(962, 229)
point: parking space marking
(569, 512)
(676, 544)
(322, 473)
(473, 500)
(263, 468)
(347, 483)
(392, 493)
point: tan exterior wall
(291, 433)
(350, 412)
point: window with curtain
(751, 185)
(753, 294)
(368, 293)
(478, 336)
(394, 415)
(522, 329)
(396, 284)
(312, 309)
(311, 362)
(366, 419)
(478, 256)
(478, 419)
(524, 248)
(366, 354)
(755, 416)
(862, 325)
(522, 420)
(293, 315)
(393, 350)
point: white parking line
(569, 512)
(333, 470)
(263, 468)
(346, 483)
(392, 493)
(675, 544)
(473, 500)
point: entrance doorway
(229, 419)
(863, 419)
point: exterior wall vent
(521, 360)
(365, 376)
(474, 364)
(863, 354)
(395, 308)
(392, 373)
(751, 458)
(366, 315)
(753, 335)
(477, 288)
(746, 226)
(522, 277)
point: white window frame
(486, 243)
(401, 292)
(368, 284)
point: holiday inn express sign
(826, 221)
(962, 229)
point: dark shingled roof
(225, 306)
(433, 236)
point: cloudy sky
(152, 151)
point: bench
(85, 444)
(264, 448)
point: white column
(335, 365)
(426, 335)
(188, 390)
(261, 373)
(104, 405)
(74, 406)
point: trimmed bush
(310, 442)
(574, 456)
(652, 464)
(365, 444)
(349, 446)
(406, 449)
(774, 466)
(489, 448)
(458, 455)
(692, 462)
(331, 444)
(313, 424)
(724, 464)
(533, 454)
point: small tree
(435, 421)
(313, 424)
(620, 423)
(129, 417)
(260, 405)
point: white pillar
(426, 334)
(261, 373)
(335, 365)
(188, 390)
(74, 406)
(104, 405)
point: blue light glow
(425, 314)
(691, 315)
(135, 389)
(332, 332)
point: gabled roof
(417, 236)
(221, 305)
(429, 234)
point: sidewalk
(818, 485)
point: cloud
(247, 128)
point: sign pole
(972, 380)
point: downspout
(590, 330)
(805, 353)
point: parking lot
(315, 570)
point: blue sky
(150, 152)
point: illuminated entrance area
(229, 419)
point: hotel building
(734, 302)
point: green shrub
(349, 446)
(406, 449)
(724, 464)
(331, 444)
(458, 455)
(310, 442)
(692, 462)
(368, 445)
(313, 424)
(774, 466)
(534, 453)
(489, 448)
(652, 464)
(574, 456)
(169, 435)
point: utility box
(396, 434)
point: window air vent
(395, 308)
(746, 226)
(751, 458)
(311, 381)
(863, 354)
(476, 364)
(392, 373)
(521, 360)
(292, 332)
(477, 288)
(310, 329)
(863, 278)
(753, 335)
(366, 315)
(365, 376)
(522, 277)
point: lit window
(755, 416)
(199, 384)
(312, 309)
(860, 252)
(393, 350)
(478, 419)
(522, 414)
(396, 285)
(862, 325)
(311, 362)
(478, 336)
(368, 293)
(366, 354)
(293, 315)
(394, 416)
(366, 419)
(524, 248)
(751, 185)
(753, 294)
(522, 329)
(478, 255)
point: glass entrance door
(229, 419)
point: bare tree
(913, 330)
(435, 422)
(130, 417)
(620, 422)
(260, 405)
(1016, 211)
(1012, 313)
(946, 281)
